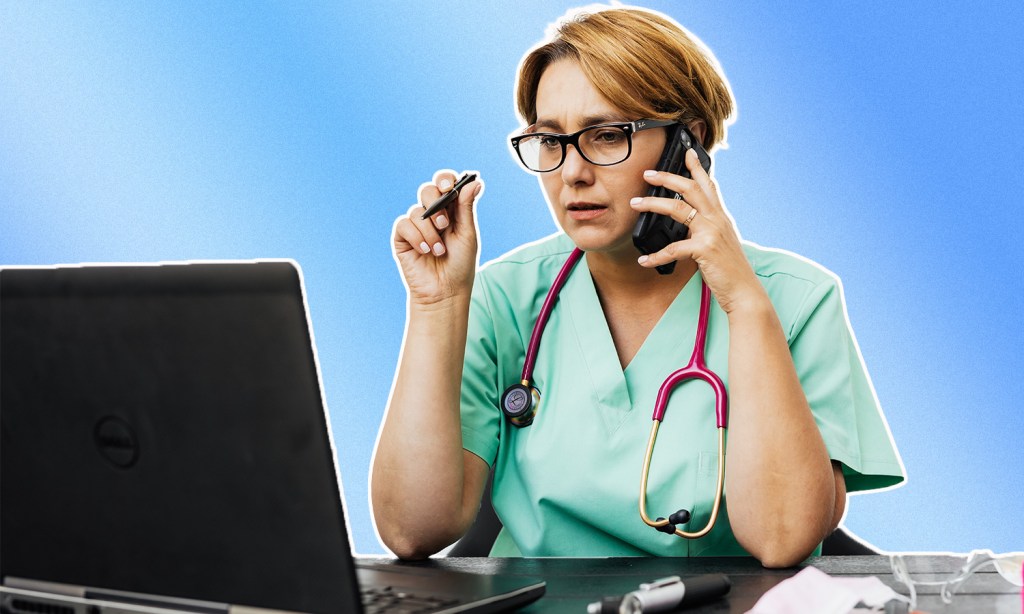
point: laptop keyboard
(387, 599)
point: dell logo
(116, 442)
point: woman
(804, 426)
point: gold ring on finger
(689, 218)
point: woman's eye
(549, 142)
(609, 137)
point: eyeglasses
(601, 145)
(1008, 565)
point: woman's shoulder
(775, 265)
(533, 260)
(514, 285)
(796, 285)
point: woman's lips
(585, 211)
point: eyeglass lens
(603, 145)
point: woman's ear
(698, 128)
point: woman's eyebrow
(603, 118)
(554, 125)
(546, 125)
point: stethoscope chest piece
(519, 403)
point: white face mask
(813, 590)
(1010, 566)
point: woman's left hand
(713, 241)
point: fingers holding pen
(421, 235)
(443, 203)
(430, 227)
(435, 244)
(448, 197)
(468, 196)
(431, 191)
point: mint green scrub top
(569, 484)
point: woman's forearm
(780, 482)
(417, 489)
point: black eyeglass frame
(629, 128)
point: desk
(573, 583)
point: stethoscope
(519, 402)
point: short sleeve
(481, 418)
(839, 391)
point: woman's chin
(602, 241)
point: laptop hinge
(40, 586)
(244, 609)
(162, 601)
(113, 596)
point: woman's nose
(575, 168)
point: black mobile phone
(654, 231)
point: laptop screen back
(122, 464)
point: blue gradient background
(880, 139)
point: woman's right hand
(425, 490)
(438, 256)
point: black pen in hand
(666, 594)
(448, 196)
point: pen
(448, 196)
(608, 605)
(665, 594)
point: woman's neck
(618, 273)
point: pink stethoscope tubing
(696, 368)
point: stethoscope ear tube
(520, 401)
(666, 525)
(545, 312)
(695, 369)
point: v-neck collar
(665, 349)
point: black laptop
(165, 446)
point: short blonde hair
(643, 62)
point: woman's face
(591, 203)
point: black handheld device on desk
(654, 231)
